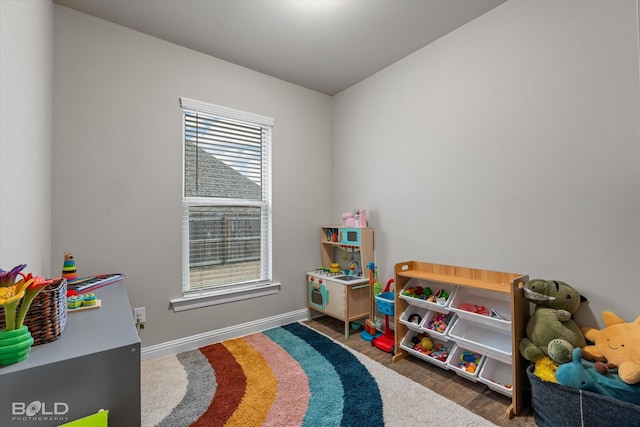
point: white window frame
(231, 292)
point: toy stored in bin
(466, 363)
(439, 353)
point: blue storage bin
(555, 405)
(385, 303)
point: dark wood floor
(474, 396)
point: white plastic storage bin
(457, 363)
(436, 289)
(413, 317)
(484, 306)
(439, 358)
(497, 376)
(437, 324)
(482, 338)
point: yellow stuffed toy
(618, 343)
(545, 369)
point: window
(226, 209)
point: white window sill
(223, 296)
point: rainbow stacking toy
(74, 301)
(69, 267)
(89, 300)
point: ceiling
(324, 45)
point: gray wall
(510, 144)
(26, 81)
(118, 167)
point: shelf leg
(510, 412)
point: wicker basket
(47, 315)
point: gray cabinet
(95, 364)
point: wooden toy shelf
(506, 288)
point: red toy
(386, 342)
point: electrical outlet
(140, 315)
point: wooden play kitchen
(340, 289)
(486, 316)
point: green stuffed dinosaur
(550, 330)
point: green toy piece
(551, 331)
(377, 288)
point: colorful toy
(439, 322)
(414, 318)
(551, 331)
(69, 267)
(423, 344)
(618, 344)
(474, 308)
(545, 369)
(74, 301)
(584, 375)
(426, 294)
(89, 299)
(426, 343)
(439, 352)
(469, 361)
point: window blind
(227, 198)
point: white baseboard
(212, 337)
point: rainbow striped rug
(287, 376)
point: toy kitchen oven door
(317, 293)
